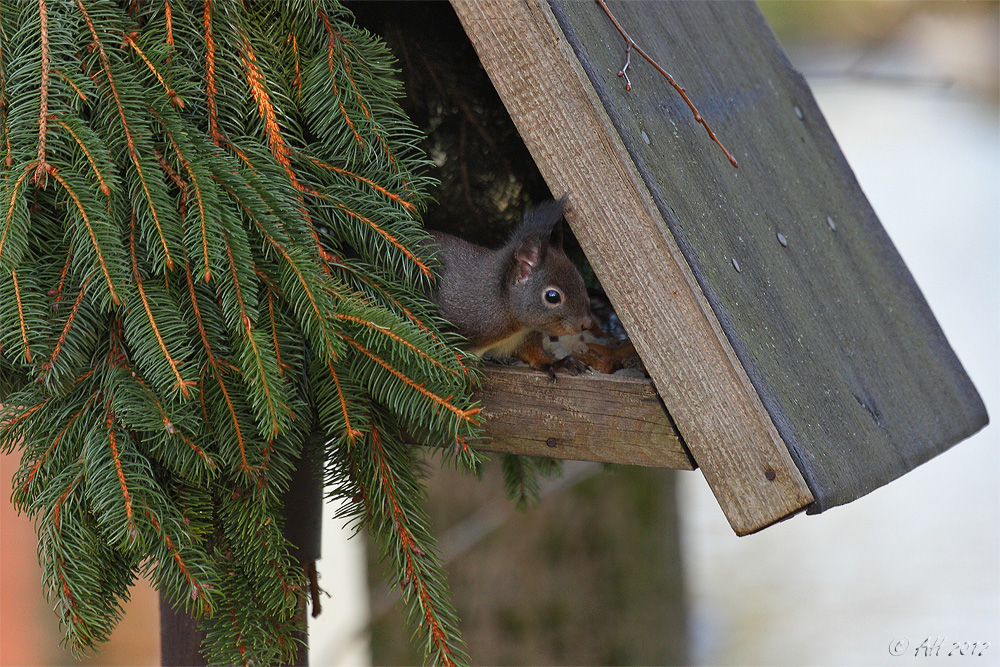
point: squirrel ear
(556, 237)
(527, 256)
(543, 220)
(539, 230)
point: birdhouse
(791, 355)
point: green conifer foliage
(209, 246)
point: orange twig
(297, 81)
(265, 107)
(97, 172)
(181, 382)
(298, 273)
(364, 108)
(411, 550)
(20, 314)
(177, 180)
(112, 440)
(41, 166)
(171, 93)
(324, 255)
(302, 281)
(466, 415)
(409, 206)
(168, 18)
(352, 433)
(128, 132)
(57, 292)
(629, 45)
(399, 339)
(197, 589)
(10, 207)
(197, 316)
(244, 465)
(72, 85)
(331, 40)
(198, 451)
(167, 425)
(90, 230)
(406, 311)
(213, 113)
(274, 332)
(350, 79)
(389, 237)
(247, 330)
(55, 443)
(244, 318)
(24, 415)
(57, 505)
(197, 194)
(69, 323)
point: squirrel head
(545, 291)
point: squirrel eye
(553, 297)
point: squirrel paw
(570, 364)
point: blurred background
(640, 566)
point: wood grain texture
(820, 348)
(693, 366)
(826, 319)
(589, 417)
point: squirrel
(504, 300)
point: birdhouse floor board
(589, 417)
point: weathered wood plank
(576, 147)
(819, 307)
(816, 344)
(589, 417)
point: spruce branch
(203, 259)
(388, 495)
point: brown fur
(496, 298)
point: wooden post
(592, 575)
(180, 640)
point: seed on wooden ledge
(645, 137)
(798, 113)
(782, 240)
(736, 265)
(831, 223)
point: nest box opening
(780, 327)
(488, 179)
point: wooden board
(590, 417)
(821, 349)
(613, 216)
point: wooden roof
(782, 330)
